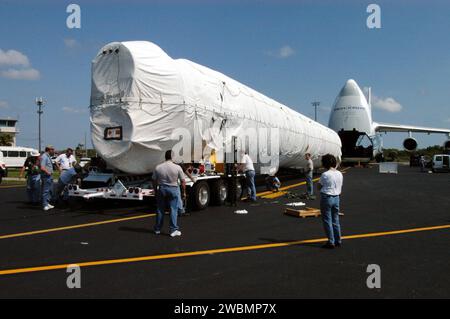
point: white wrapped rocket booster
(140, 96)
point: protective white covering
(137, 86)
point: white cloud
(386, 104)
(21, 70)
(13, 57)
(70, 43)
(72, 110)
(4, 105)
(286, 52)
(283, 52)
(22, 74)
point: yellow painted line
(52, 230)
(271, 195)
(13, 186)
(212, 251)
(282, 190)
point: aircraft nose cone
(350, 88)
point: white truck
(3, 171)
(441, 163)
(143, 103)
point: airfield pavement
(400, 222)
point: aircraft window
(364, 141)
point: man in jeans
(249, 171)
(330, 186)
(32, 168)
(309, 175)
(166, 178)
(46, 177)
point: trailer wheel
(239, 190)
(219, 192)
(201, 195)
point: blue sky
(292, 51)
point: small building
(8, 127)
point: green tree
(392, 155)
(6, 140)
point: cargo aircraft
(351, 118)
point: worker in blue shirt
(67, 177)
(273, 183)
(46, 177)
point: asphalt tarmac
(399, 222)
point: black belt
(328, 195)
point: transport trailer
(143, 101)
(206, 188)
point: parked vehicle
(441, 163)
(3, 170)
(14, 157)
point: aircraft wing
(385, 127)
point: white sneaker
(175, 233)
(51, 206)
(157, 232)
(48, 207)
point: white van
(14, 157)
(441, 163)
(3, 171)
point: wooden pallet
(303, 213)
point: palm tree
(6, 140)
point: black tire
(239, 190)
(200, 195)
(219, 192)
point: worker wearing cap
(46, 177)
(32, 168)
(166, 178)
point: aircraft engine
(410, 144)
(447, 145)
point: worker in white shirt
(330, 186)
(309, 175)
(249, 171)
(65, 161)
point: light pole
(315, 104)
(40, 103)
